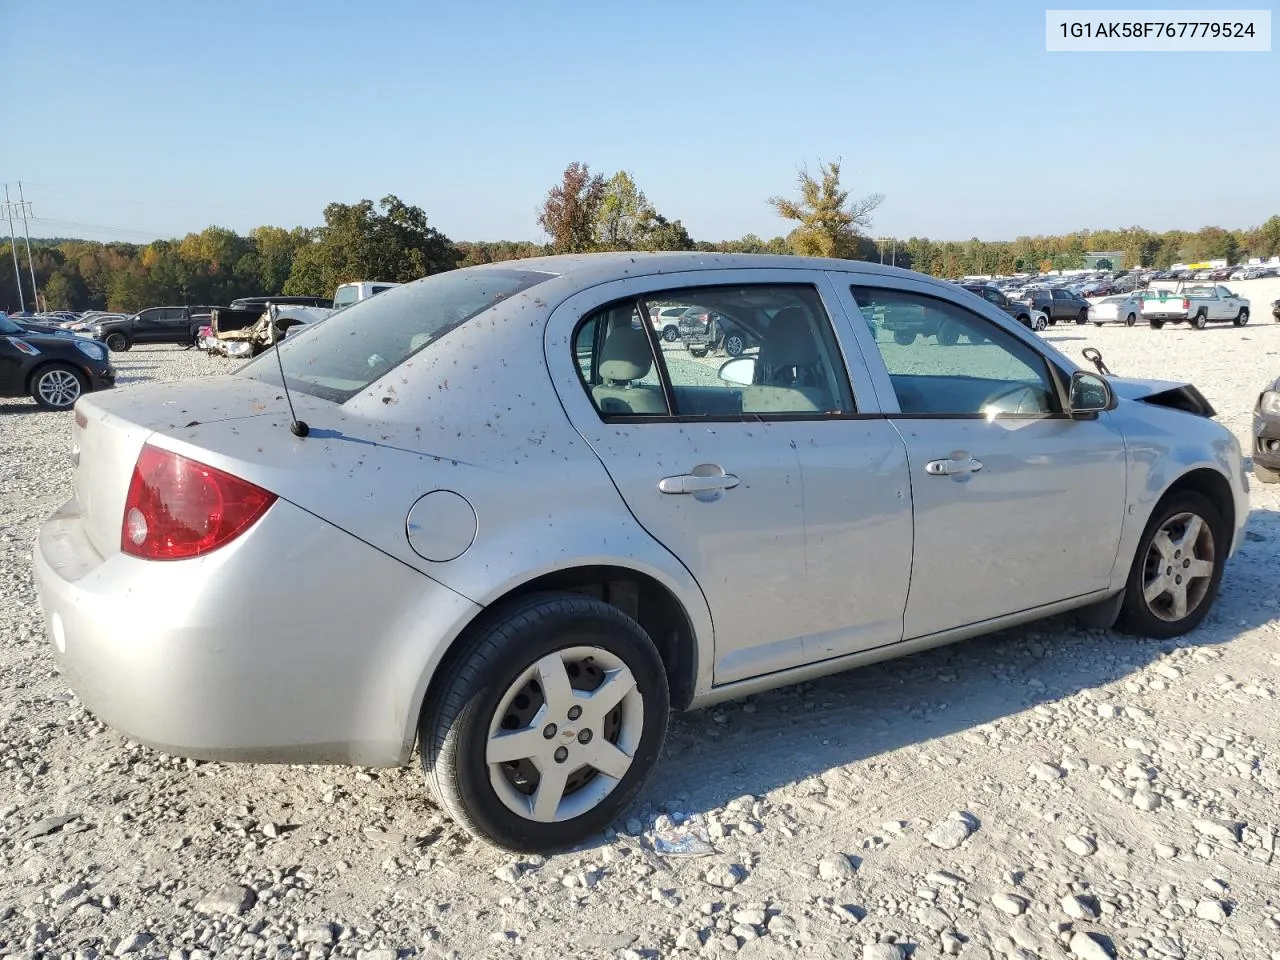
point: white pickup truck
(1196, 305)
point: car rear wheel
(1130, 320)
(734, 344)
(670, 333)
(1242, 317)
(1156, 324)
(1177, 568)
(698, 351)
(117, 342)
(549, 724)
(57, 386)
(1201, 320)
(904, 337)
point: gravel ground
(1047, 792)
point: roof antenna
(297, 427)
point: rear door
(1017, 506)
(787, 502)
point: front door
(1016, 505)
(766, 484)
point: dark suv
(153, 325)
(1019, 311)
(1059, 304)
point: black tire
(1053, 322)
(1200, 320)
(1097, 323)
(735, 344)
(948, 333)
(117, 342)
(904, 338)
(670, 333)
(1156, 324)
(1130, 320)
(698, 351)
(454, 726)
(57, 386)
(1242, 317)
(1083, 318)
(1265, 475)
(1136, 616)
(1025, 320)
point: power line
(13, 248)
(100, 228)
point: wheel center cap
(568, 733)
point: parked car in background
(1059, 304)
(1123, 308)
(993, 295)
(666, 321)
(1098, 288)
(1275, 310)
(530, 612)
(1197, 305)
(55, 370)
(179, 325)
(706, 331)
(357, 290)
(1266, 431)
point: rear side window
(348, 351)
(744, 352)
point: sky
(131, 120)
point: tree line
(585, 212)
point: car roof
(589, 269)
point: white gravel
(1095, 795)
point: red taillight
(179, 508)
(1186, 304)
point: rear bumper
(296, 643)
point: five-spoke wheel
(546, 724)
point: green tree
(622, 214)
(829, 223)
(569, 212)
(359, 243)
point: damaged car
(487, 515)
(245, 331)
(1266, 433)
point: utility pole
(13, 248)
(31, 264)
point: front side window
(944, 360)
(350, 350)
(747, 352)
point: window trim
(1057, 377)
(642, 302)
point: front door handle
(950, 468)
(694, 483)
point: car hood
(1163, 393)
(43, 340)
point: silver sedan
(490, 513)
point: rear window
(344, 353)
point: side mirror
(740, 371)
(1089, 395)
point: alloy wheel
(58, 388)
(1179, 567)
(564, 734)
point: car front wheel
(57, 386)
(734, 344)
(117, 342)
(1242, 317)
(544, 730)
(670, 334)
(1177, 568)
(1083, 318)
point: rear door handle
(950, 468)
(692, 483)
